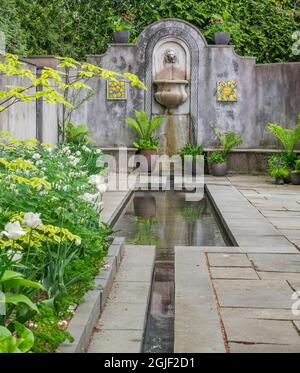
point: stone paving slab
(261, 331)
(131, 292)
(123, 316)
(121, 325)
(262, 348)
(116, 341)
(276, 262)
(253, 293)
(279, 275)
(197, 325)
(233, 273)
(228, 260)
(259, 313)
(264, 241)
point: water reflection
(165, 219)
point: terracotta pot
(121, 36)
(218, 169)
(144, 206)
(151, 159)
(279, 180)
(222, 38)
(295, 178)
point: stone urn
(218, 169)
(221, 38)
(170, 93)
(295, 177)
(121, 36)
(150, 159)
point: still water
(166, 220)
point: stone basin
(170, 93)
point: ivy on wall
(261, 28)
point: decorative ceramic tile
(227, 91)
(116, 90)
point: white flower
(65, 188)
(39, 162)
(88, 197)
(78, 153)
(36, 156)
(78, 241)
(101, 187)
(96, 179)
(98, 151)
(32, 220)
(13, 230)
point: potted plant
(278, 167)
(147, 144)
(218, 163)
(122, 30)
(218, 158)
(192, 150)
(295, 174)
(288, 138)
(221, 28)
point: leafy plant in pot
(221, 27)
(147, 144)
(192, 151)
(122, 30)
(218, 158)
(295, 174)
(288, 138)
(278, 167)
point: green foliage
(297, 165)
(228, 140)
(77, 134)
(70, 27)
(278, 165)
(217, 156)
(145, 127)
(10, 25)
(22, 341)
(288, 138)
(151, 143)
(119, 24)
(56, 186)
(191, 149)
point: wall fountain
(171, 92)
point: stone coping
(87, 313)
(244, 224)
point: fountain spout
(170, 85)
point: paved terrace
(227, 299)
(248, 288)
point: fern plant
(77, 134)
(228, 141)
(288, 138)
(145, 127)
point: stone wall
(265, 92)
(29, 119)
(277, 98)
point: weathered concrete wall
(106, 118)
(222, 63)
(29, 119)
(265, 92)
(277, 98)
(20, 118)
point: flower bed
(52, 243)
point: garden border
(87, 313)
